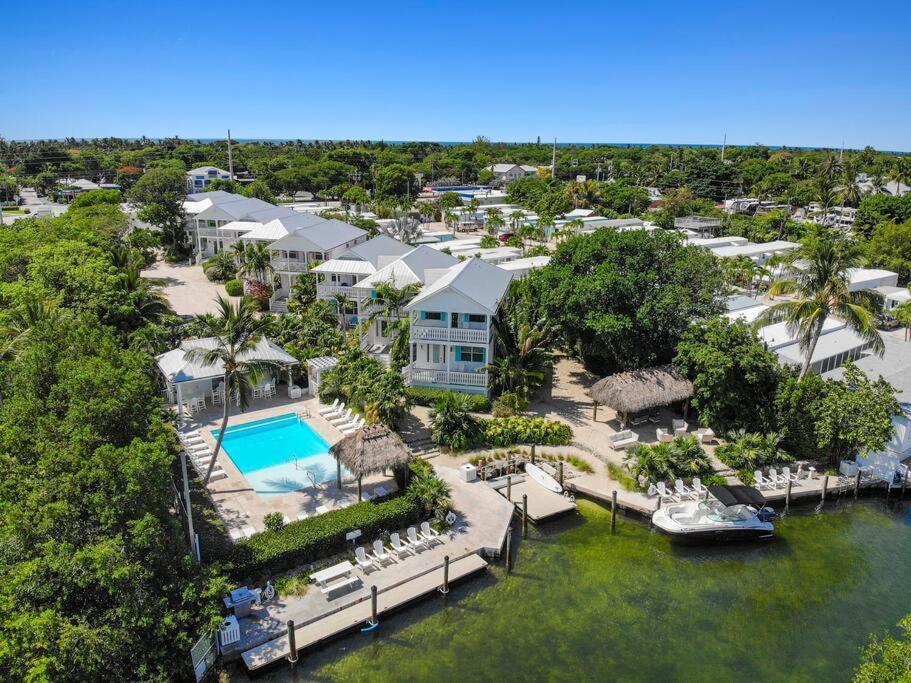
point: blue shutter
(483, 355)
(372, 293)
(423, 315)
(443, 317)
(465, 317)
(458, 353)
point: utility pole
(723, 145)
(553, 161)
(189, 506)
(230, 160)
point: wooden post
(338, 473)
(560, 471)
(532, 454)
(595, 415)
(787, 496)
(524, 515)
(613, 511)
(360, 491)
(292, 644)
(508, 486)
(373, 620)
(509, 550)
(444, 589)
(857, 485)
(825, 485)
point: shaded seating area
(637, 395)
(369, 450)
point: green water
(584, 605)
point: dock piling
(532, 454)
(524, 515)
(373, 620)
(509, 550)
(292, 644)
(857, 485)
(613, 511)
(508, 487)
(787, 496)
(444, 589)
(825, 485)
(560, 472)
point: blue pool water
(279, 454)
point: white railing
(290, 266)
(468, 379)
(210, 232)
(448, 334)
(332, 290)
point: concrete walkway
(186, 287)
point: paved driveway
(186, 287)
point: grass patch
(580, 464)
(292, 584)
(622, 476)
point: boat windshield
(734, 513)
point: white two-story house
(337, 276)
(451, 331)
(216, 220)
(198, 179)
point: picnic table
(335, 577)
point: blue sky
(790, 73)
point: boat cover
(738, 495)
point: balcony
(284, 265)
(328, 291)
(426, 333)
(416, 376)
(210, 232)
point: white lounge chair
(364, 562)
(398, 546)
(324, 410)
(336, 413)
(415, 540)
(341, 419)
(775, 478)
(429, 534)
(761, 481)
(705, 434)
(698, 488)
(663, 491)
(379, 552)
(682, 490)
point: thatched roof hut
(371, 449)
(639, 390)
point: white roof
(747, 315)
(894, 293)
(303, 231)
(580, 213)
(867, 274)
(215, 195)
(831, 344)
(204, 170)
(502, 168)
(528, 263)
(777, 335)
(345, 266)
(481, 282)
(176, 368)
(239, 226)
(712, 242)
(409, 269)
(457, 245)
(755, 249)
(373, 249)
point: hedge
(234, 287)
(425, 396)
(311, 539)
(506, 431)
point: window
(470, 354)
(211, 224)
(292, 254)
(432, 315)
(476, 318)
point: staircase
(422, 446)
(279, 305)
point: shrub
(622, 476)
(509, 403)
(429, 491)
(260, 291)
(580, 464)
(274, 521)
(311, 539)
(747, 477)
(453, 424)
(425, 396)
(682, 457)
(713, 480)
(234, 288)
(220, 267)
(505, 431)
(749, 451)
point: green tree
(887, 659)
(259, 190)
(523, 351)
(453, 425)
(890, 247)
(395, 180)
(663, 461)
(902, 313)
(256, 265)
(751, 451)
(734, 376)
(237, 330)
(159, 196)
(820, 288)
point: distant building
(506, 173)
(198, 179)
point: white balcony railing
(415, 376)
(421, 333)
(289, 266)
(330, 290)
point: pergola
(315, 369)
(639, 390)
(186, 379)
(369, 450)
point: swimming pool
(279, 454)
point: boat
(728, 513)
(543, 478)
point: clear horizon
(814, 75)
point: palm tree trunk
(811, 348)
(226, 399)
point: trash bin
(468, 472)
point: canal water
(582, 604)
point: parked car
(504, 236)
(884, 321)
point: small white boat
(728, 513)
(543, 478)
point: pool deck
(484, 518)
(240, 507)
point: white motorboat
(727, 513)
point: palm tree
(824, 193)
(820, 289)
(451, 219)
(494, 220)
(902, 313)
(21, 321)
(237, 330)
(149, 302)
(239, 248)
(516, 218)
(523, 352)
(851, 193)
(901, 172)
(342, 302)
(257, 263)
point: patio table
(335, 571)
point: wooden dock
(542, 503)
(356, 615)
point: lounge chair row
(774, 480)
(200, 454)
(413, 541)
(680, 490)
(342, 418)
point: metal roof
(177, 369)
(482, 282)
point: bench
(344, 583)
(620, 440)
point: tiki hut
(640, 390)
(369, 450)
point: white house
(758, 253)
(451, 332)
(893, 297)
(208, 212)
(506, 173)
(198, 179)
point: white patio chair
(682, 490)
(379, 552)
(698, 488)
(429, 534)
(775, 478)
(258, 392)
(398, 547)
(680, 427)
(663, 491)
(364, 562)
(416, 541)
